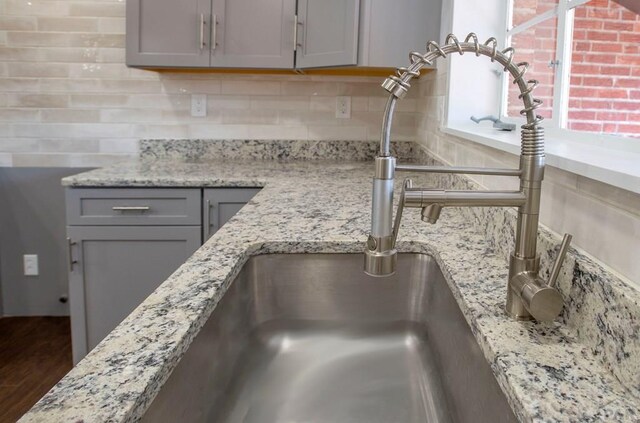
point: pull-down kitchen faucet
(528, 296)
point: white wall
(67, 99)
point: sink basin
(311, 338)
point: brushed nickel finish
(528, 296)
(310, 338)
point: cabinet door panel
(117, 268)
(168, 33)
(328, 33)
(252, 34)
(221, 204)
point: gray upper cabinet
(168, 33)
(252, 34)
(327, 33)
(389, 30)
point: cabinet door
(327, 33)
(220, 204)
(168, 33)
(115, 269)
(253, 34)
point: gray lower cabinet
(114, 268)
(220, 204)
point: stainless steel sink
(310, 338)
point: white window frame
(607, 158)
(557, 125)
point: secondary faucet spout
(380, 253)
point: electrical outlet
(343, 107)
(30, 262)
(198, 105)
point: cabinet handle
(124, 209)
(202, 24)
(214, 32)
(296, 23)
(70, 245)
(207, 220)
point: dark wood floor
(35, 353)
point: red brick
(628, 129)
(610, 128)
(591, 81)
(628, 59)
(582, 115)
(615, 70)
(633, 116)
(607, 47)
(627, 15)
(603, 13)
(630, 49)
(585, 126)
(588, 69)
(596, 104)
(588, 24)
(575, 103)
(582, 46)
(628, 83)
(600, 58)
(612, 93)
(618, 26)
(634, 95)
(626, 105)
(602, 36)
(627, 37)
(612, 116)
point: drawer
(133, 206)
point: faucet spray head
(431, 213)
(380, 257)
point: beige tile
(280, 103)
(190, 86)
(368, 89)
(69, 55)
(250, 117)
(612, 196)
(17, 23)
(38, 100)
(62, 39)
(130, 115)
(305, 117)
(217, 103)
(12, 54)
(98, 70)
(161, 131)
(305, 88)
(51, 70)
(111, 55)
(66, 85)
(111, 25)
(271, 132)
(119, 145)
(19, 85)
(3, 38)
(127, 86)
(218, 132)
(97, 9)
(36, 7)
(98, 100)
(250, 87)
(73, 130)
(337, 132)
(19, 115)
(67, 24)
(70, 115)
(160, 101)
(67, 146)
(18, 145)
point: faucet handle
(555, 271)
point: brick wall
(604, 93)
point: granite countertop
(547, 371)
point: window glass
(604, 92)
(537, 46)
(523, 10)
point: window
(586, 56)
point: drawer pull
(124, 209)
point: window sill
(614, 167)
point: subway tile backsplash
(67, 99)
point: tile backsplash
(67, 99)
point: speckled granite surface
(583, 368)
